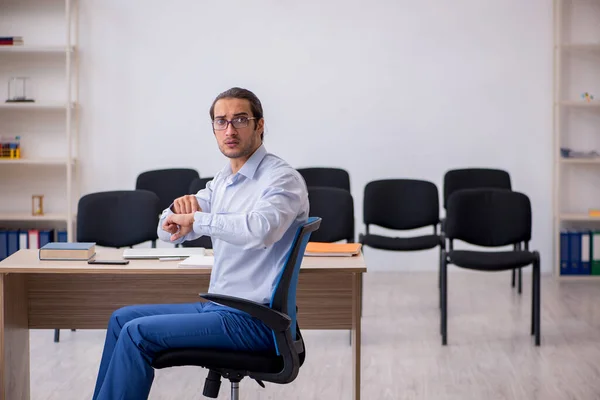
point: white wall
(385, 89)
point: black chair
(168, 184)
(336, 209)
(326, 176)
(117, 219)
(282, 364)
(203, 241)
(473, 178)
(401, 204)
(490, 218)
(198, 184)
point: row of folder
(12, 240)
(580, 252)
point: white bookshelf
(48, 127)
(576, 120)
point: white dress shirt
(252, 217)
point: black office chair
(473, 178)
(168, 184)
(203, 241)
(198, 184)
(401, 204)
(117, 219)
(336, 208)
(490, 218)
(326, 176)
(282, 364)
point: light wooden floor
(490, 354)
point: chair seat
(491, 260)
(265, 362)
(401, 244)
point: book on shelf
(75, 251)
(13, 240)
(11, 41)
(321, 249)
(579, 252)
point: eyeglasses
(220, 124)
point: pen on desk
(171, 258)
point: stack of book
(11, 40)
(580, 252)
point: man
(251, 210)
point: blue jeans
(136, 333)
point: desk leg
(356, 317)
(14, 338)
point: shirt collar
(251, 165)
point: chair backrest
(401, 204)
(198, 184)
(336, 208)
(284, 294)
(326, 176)
(489, 217)
(168, 184)
(118, 218)
(473, 178)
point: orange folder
(332, 249)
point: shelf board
(29, 217)
(582, 47)
(577, 217)
(35, 161)
(36, 49)
(580, 160)
(579, 278)
(34, 106)
(581, 103)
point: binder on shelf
(61, 236)
(565, 258)
(23, 239)
(46, 236)
(13, 242)
(574, 252)
(595, 267)
(586, 252)
(3, 244)
(34, 239)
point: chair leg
(235, 391)
(444, 324)
(538, 328)
(533, 307)
(520, 277)
(56, 335)
(154, 244)
(513, 278)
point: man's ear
(260, 125)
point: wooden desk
(75, 295)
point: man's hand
(178, 225)
(186, 204)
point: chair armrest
(275, 320)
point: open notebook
(197, 261)
(146, 253)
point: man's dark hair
(245, 94)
